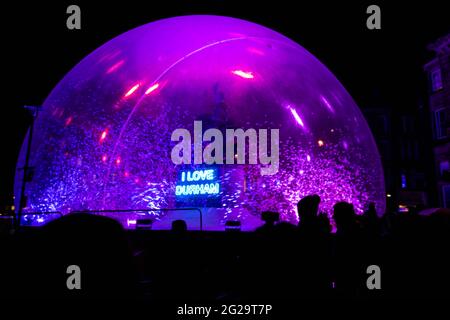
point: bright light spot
(126, 174)
(115, 66)
(104, 158)
(132, 90)
(152, 88)
(302, 171)
(243, 74)
(308, 158)
(131, 222)
(296, 116)
(104, 134)
(118, 160)
(327, 103)
(388, 195)
(320, 143)
(137, 180)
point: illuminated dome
(103, 137)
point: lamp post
(27, 170)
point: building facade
(438, 72)
(404, 151)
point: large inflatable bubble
(103, 137)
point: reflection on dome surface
(103, 137)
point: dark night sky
(38, 50)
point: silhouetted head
(179, 226)
(344, 215)
(308, 207)
(97, 244)
(270, 217)
(371, 212)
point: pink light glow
(297, 117)
(256, 51)
(243, 74)
(152, 88)
(320, 143)
(104, 134)
(104, 158)
(68, 121)
(132, 90)
(327, 103)
(115, 66)
(118, 160)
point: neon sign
(198, 182)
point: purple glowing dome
(103, 137)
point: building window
(446, 196)
(440, 124)
(436, 80)
(403, 181)
(444, 169)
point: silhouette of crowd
(277, 261)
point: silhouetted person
(349, 252)
(324, 224)
(179, 265)
(96, 244)
(261, 265)
(371, 211)
(307, 209)
(345, 218)
(372, 238)
(179, 226)
(270, 218)
(313, 278)
(371, 225)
